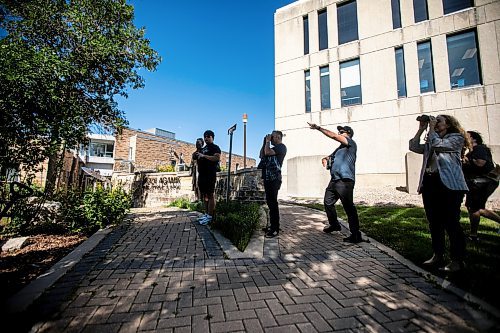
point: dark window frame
(396, 14)
(342, 100)
(305, 25)
(401, 72)
(426, 16)
(449, 8)
(307, 94)
(428, 41)
(323, 29)
(324, 89)
(341, 26)
(478, 57)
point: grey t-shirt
(344, 161)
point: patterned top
(273, 163)
(344, 161)
(447, 152)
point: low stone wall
(160, 189)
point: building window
(100, 149)
(324, 73)
(400, 71)
(396, 14)
(323, 29)
(463, 60)
(307, 75)
(420, 10)
(305, 22)
(347, 19)
(350, 83)
(450, 6)
(425, 68)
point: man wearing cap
(208, 158)
(341, 184)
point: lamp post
(245, 119)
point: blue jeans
(342, 189)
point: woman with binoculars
(442, 185)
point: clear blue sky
(218, 63)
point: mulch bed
(18, 268)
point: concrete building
(99, 153)
(376, 66)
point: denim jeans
(342, 189)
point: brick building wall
(150, 151)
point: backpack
(495, 173)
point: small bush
(180, 203)
(165, 168)
(237, 221)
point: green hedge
(237, 221)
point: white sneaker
(206, 220)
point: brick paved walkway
(162, 272)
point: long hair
(479, 139)
(455, 127)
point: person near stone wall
(271, 162)
(194, 167)
(341, 185)
(477, 164)
(208, 159)
(442, 185)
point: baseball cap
(346, 129)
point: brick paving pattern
(162, 272)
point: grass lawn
(405, 230)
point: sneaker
(206, 220)
(436, 260)
(454, 266)
(331, 228)
(204, 216)
(271, 234)
(353, 239)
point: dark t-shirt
(206, 167)
(273, 163)
(479, 152)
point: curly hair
(455, 127)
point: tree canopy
(63, 62)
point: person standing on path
(194, 168)
(271, 173)
(442, 185)
(341, 185)
(208, 158)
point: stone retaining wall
(160, 189)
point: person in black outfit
(271, 162)
(208, 159)
(476, 165)
(194, 167)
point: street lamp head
(245, 117)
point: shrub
(180, 203)
(237, 221)
(165, 168)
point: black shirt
(206, 167)
(479, 152)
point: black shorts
(206, 183)
(479, 191)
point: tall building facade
(376, 66)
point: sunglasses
(342, 132)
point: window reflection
(400, 72)
(425, 68)
(307, 76)
(325, 87)
(463, 60)
(350, 83)
(101, 149)
(347, 20)
(450, 6)
(322, 29)
(420, 10)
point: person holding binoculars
(442, 185)
(271, 162)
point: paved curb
(443, 283)
(29, 294)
